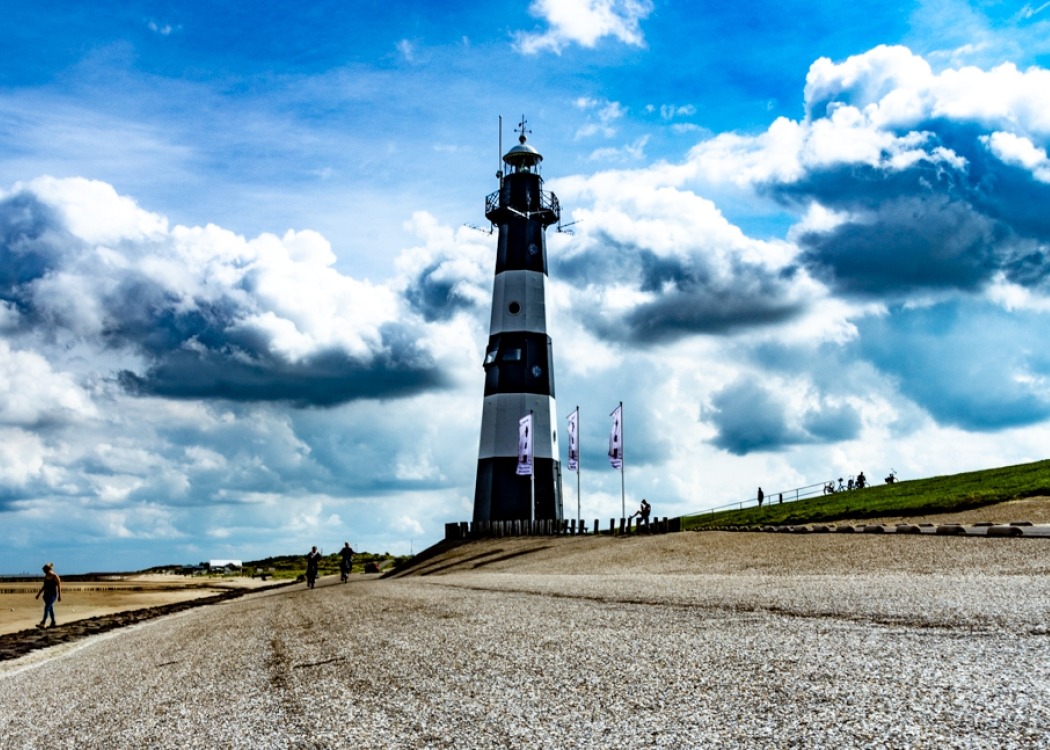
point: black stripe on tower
(521, 247)
(519, 362)
(501, 495)
(522, 213)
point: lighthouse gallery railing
(548, 202)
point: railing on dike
(829, 487)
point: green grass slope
(947, 494)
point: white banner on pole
(574, 441)
(525, 445)
(616, 438)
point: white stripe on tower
(529, 290)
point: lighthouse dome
(523, 156)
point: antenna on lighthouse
(499, 156)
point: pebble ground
(708, 640)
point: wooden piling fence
(464, 530)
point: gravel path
(702, 641)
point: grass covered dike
(917, 497)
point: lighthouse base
(501, 495)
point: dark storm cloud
(238, 366)
(751, 417)
(435, 298)
(907, 244)
(144, 315)
(689, 297)
(236, 373)
(691, 310)
(930, 225)
(192, 348)
(831, 424)
(980, 368)
(30, 233)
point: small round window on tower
(514, 308)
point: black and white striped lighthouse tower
(519, 359)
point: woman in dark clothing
(313, 561)
(52, 591)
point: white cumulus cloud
(584, 22)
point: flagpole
(532, 474)
(623, 490)
(579, 518)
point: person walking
(313, 562)
(761, 497)
(52, 592)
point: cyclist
(346, 561)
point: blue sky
(242, 308)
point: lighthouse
(519, 358)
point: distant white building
(224, 565)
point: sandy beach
(19, 610)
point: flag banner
(525, 445)
(574, 445)
(616, 439)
